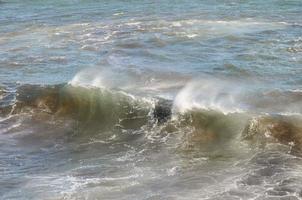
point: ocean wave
(114, 77)
(101, 109)
(283, 129)
(237, 96)
(89, 106)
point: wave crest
(101, 109)
(236, 96)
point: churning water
(150, 99)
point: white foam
(130, 81)
(192, 28)
(208, 94)
(88, 77)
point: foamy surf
(150, 100)
(114, 122)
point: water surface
(150, 99)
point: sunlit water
(150, 99)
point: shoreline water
(150, 100)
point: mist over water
(150, 100)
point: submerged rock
(163, 110)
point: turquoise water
(150, 99)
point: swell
(282, 129)
(98, 109)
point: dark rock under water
(163, 110)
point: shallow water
(150, 100)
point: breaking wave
(237, 97)
(209, 116)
